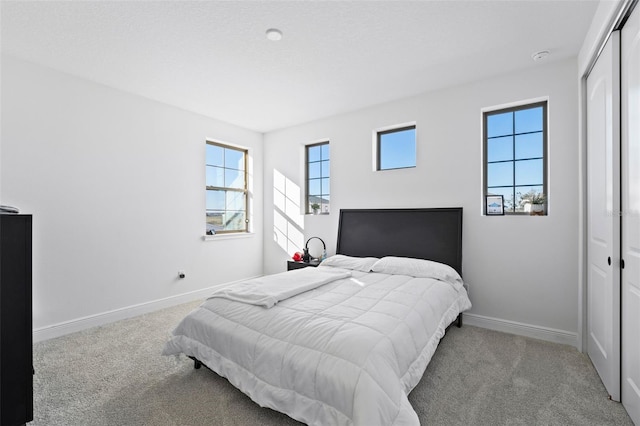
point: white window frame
(244, 191)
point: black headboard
(433, 234)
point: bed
(343, 343)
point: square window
(396, 148)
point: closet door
(603, 220)
(630, 97)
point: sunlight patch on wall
(288, 222)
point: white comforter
(268, 290)
(346, 353)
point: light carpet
(115, 375)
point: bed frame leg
(459, 322)
(196, 363)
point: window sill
(515, 215)
(219, 237)
(526, 214)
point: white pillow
(363, 264)
(419, 268)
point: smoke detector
(274, 34)
(538, 56)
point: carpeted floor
(114, 375)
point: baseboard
(527, 330)
(79, 324)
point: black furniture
(16, 339)
(292, 264)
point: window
(515, 152)
(317, 165)
(226, 180)
(396, 148)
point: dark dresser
(16, 338)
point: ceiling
(213, 58)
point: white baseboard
(527, 330)
(79, 324)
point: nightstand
(292, 264)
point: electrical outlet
(181, 273)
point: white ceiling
(212, 57)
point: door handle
(609, 260)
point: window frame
(307, 208)
(386, 131)
(244, 190)
(545, 157)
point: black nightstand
(292, 264)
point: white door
(630, 97)
(603, 220)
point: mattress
(345, 353)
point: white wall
(116, 186)
(115, 183)
(522, 271)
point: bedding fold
(268, 290)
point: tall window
(396, 148)
(515, 148)
(318, 191)
(226, 179)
